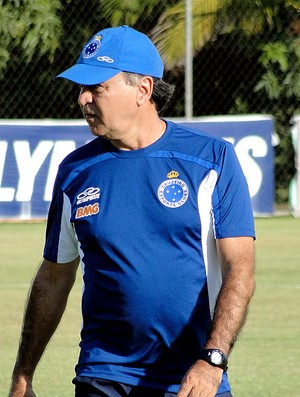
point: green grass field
(264, 363)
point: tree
(275, 24)
(215, 17)
(246, 56)
(169, 33)
(140, 14)
(32, 24)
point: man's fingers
(184, 390)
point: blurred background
(245, 58)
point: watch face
(216, 358)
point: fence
(245, 58)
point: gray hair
(162, 91)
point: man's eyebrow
(91, 86)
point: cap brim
(87, 74)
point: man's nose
(85, 96)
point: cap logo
(105, 59)
(92, 47)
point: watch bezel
(216, 357)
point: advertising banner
(30, 152)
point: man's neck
(141, 136)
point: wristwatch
(214, 357)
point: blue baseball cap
(115, 50)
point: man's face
(109, 107)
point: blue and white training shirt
(144, 223)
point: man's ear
(145, 89)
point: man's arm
(237, 261)
(45, 307)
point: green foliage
(211, 18)
(169, 33)
(32, 24)
(246, 56)
(275, 53)
(281, 84)
(7, 33)
(127, 12)
(42, 28)
(134, 13)
(269, 82)
(281, 61)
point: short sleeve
(61, 244)
(232, 209)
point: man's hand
(201, 380)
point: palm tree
(141, 14)
(169, 33)
(214, 17)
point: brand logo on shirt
(87, 210)
(91, 193)
(173, 192)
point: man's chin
(98, 132)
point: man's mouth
(89, 115)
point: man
(160, 218)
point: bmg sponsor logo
(87, 210)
